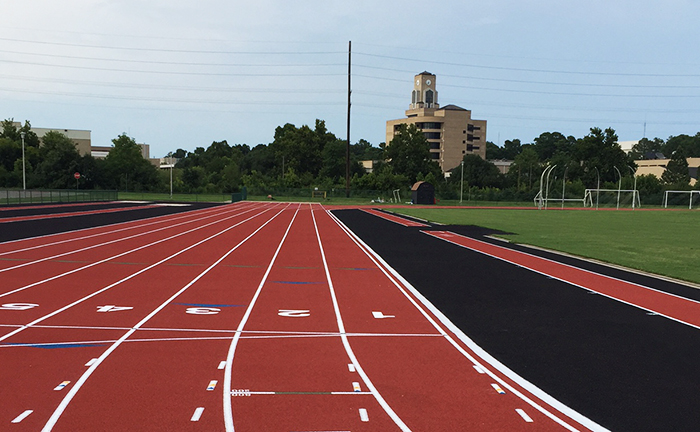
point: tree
(59, 159)
(676, 172)
(599, 149)
(334, 160)
(127, 168)
(525, 169)
(408, 154)
(550, 143)
(646, 146)
(477, 172)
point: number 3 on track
(18, 306)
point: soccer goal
(691, 193)
(318, 194)
(594, 197)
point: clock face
(417, 82)
(428, 82)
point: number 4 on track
(112, 308)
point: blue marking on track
(297, 282)
(55, 346)
(208, 305)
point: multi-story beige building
(450, 130)
(81, 138)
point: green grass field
(661, 242)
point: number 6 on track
(294, 313)
(18, 306)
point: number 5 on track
(18, 306)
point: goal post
(593, 197)
(690, 192)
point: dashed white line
(91, 362)
(22, 416)
(479, 369)
(222, 365)
(351, 367)
(197, 414)
(363, 415)
(498, 389)
(524, 415)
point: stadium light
(24, 173)
(461, 185)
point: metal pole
(24, 175)
(563, 187)
(597, 191)
(461, 184)
(347, 144)
(634, 188)
(170, 157)
(619, 187)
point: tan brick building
(450, 130)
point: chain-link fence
(37, 196)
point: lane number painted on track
(240, 392)
(18, 306)
(113, 308)
(203, 311)
(294, 313)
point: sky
(182, 74)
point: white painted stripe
(74, 390)
(22, 416)
(222, 364)
(479, 369)
(351, 367)
(197, 414)
(91, 362)
(524, 415)
(400, 282)
(344, 338)
(356, 387)
(228, 409)
(212, 385)
(62, 385)
(498, 389)
(363, 415)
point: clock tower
(424, 94)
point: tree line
(304, 157)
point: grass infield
(661, 242)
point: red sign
(76, 175)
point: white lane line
(125, 253)
(363, 415)
(62, 385)
(524, 415)
(351, 367)
(479, 369)
(197, 414)
(212, 385)
(91, 362)
(38, 320)
(400, 282)
(22, 416)
(222, 365)
(343, 337)
(113, 241)
(74, 390)
(228, 409)
(108, 230)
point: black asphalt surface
(51, 225)
(613, 363)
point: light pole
(461, 184)
(24, 173)
(563, 187)
(170, 156)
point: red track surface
(658, 302)
(246, 317)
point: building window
(435, 145)
(432, 135)
(435, 155)
(472, 148)
(470, 137)
(472, 128)
(413, 97)
(429, 98)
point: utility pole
(347, 144)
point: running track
(265, 316)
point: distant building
(101, 152)
(450, 130)
(658, 166)
(81, 138)
(627, 145)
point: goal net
(611, 198)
